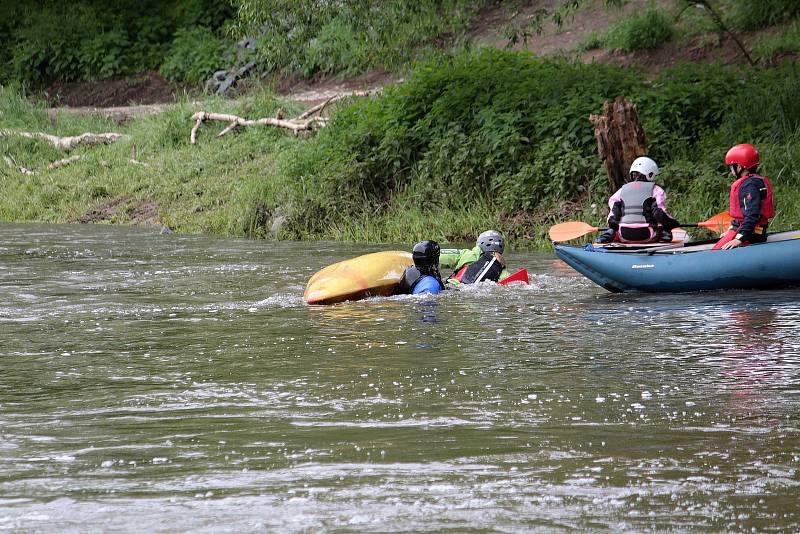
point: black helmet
(426, 254)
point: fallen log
(308, 121)
(319, 108)
(13, 164)
(234, 122)
(64, 162)
(67, 143)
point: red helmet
(744, 155)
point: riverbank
(482, 138)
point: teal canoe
(672, 269)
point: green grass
(197, 188)
(592, 41)
(308, 38)
(786, 40)
(645, 30)
(485, 138)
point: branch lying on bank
(13, 164)
(64, 162)
(67, 143)
(234, 122)
(319, 108)
(308, 121)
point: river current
(164, 383)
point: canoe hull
(763, 266)
(366, 276)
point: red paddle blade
(718, 223)
(519, 276)
(570, 230)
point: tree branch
(718, 19)
(67, 143)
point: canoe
(369, 275)
(774, 264)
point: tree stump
(620, 139)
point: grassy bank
(188, 188)
(485, 138)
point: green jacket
(456, 258)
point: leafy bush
(686, 102)
(349, 36)
(93, 39)
(194, 55)
(464, 129)
(510, 132)
(645, 30)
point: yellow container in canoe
(369, 275)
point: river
(166, 383)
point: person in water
(751, 203)
(423, 276)
(483, 262)
(638, 210)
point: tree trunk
(620, 139)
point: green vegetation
(644, 30)
(44, 41)
(751, 15)
(785, 41)
(482, 138)
(194, 55)
(350, 36)
(197, 188)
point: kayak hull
(763, 266)
(366, 276)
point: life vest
(411, 277)
(486, 267)
(633, 196)
(767, 204)
(459, 274)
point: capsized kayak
(773, 264)
(369, 275)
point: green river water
(163, 383)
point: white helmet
(645, 166)
(491, 241)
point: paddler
(483, 262)
(750, 199)
(423, 276)
(638, 210)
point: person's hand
(733, 243)
(500, 258)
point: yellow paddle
(574, 229)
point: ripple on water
(185, 375)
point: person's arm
(750, 195)
(457, 258)
(614, 209)
(428, 284)
(449, 257)
(659, 210)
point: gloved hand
(607, 236)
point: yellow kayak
(369, 275)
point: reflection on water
(180, 383)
